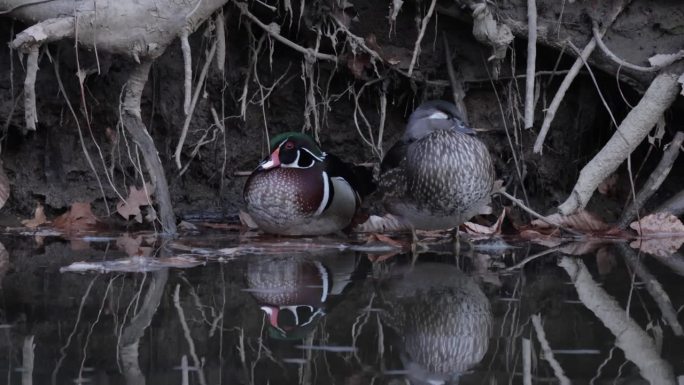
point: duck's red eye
(289, 146)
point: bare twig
(527, 361)
(560, 94)
(597, 36)
(27, 357)
(531, 59)
(535, 214)
(195, 97)
(633, 129)
(654, 180)
(273, 29)
(421, 34)
(187, 65)
(654, 288)
(456, 81)
(548, 353)
(188, 335)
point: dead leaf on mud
(658, 224)
(39, 218)
(136, 199)
(383, 224)
(495, 229)
(386, 240)
(660, 247)
(583, 221)
(4, 186)
(79, 217)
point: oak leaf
(79, 217)
(495, 229)
(658, 224)
(136, 199)
(38, 219)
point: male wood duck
(438, 175)
(301, 190)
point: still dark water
(322, 312)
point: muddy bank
(283, 93)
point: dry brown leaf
(383, 224)
(474, 228)
(4, 186)
(358, 63)
(387, 240)
(660, 247)
(79, 245)
(658, 224)
(39, 218)
(581, 221)
(79, 217)
(136, 199)
(605, 260)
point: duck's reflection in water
(295, 292)
(442, 321)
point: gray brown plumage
(438, 175)
(443, 318)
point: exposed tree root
(637, 345)
(633, 129)
(187, 66)
(135, 126)
(30, 111)
(654, 180)
(531, 59)
(421, 34)
(456, 80)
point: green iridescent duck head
(292, 150)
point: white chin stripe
(438, 115)
(267, 165)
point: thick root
(633, 129)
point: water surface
(243, 309)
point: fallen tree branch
(597, 36)
(531, 59)
(421, 34)
(637, 345)
(633, 129)
(133, 122)
(654, 180)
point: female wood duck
(438, 175)
(301, 190)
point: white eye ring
(438, 115)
